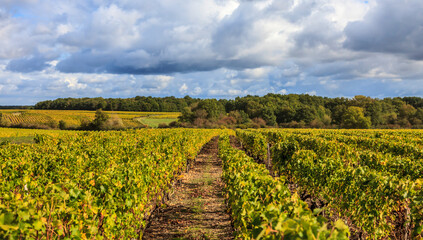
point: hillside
(31, 118)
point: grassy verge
(17, 140)
(154, 122)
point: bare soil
(235, 143)
(196, 208)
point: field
(278, 183)
(74, 118)
(155, 122)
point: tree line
(142, 104)
(276, 110)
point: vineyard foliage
(90, 184)
(103, 185)
(262, 207)
(17, 132)
(373, 178)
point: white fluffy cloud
(208, 48)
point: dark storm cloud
(89, 62)
(26, 65)
(391, 27)
(341, 70)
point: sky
(209, 48)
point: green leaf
(38, 225)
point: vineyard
(370, 179)
(19, 135)
(278, 184)
(16, 132)
(74, 118)
(262, 207)
(90, 184)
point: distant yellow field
(73, 118)
(20, 132)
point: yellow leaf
(268, 230)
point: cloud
(26, 65)
(153, 38)
(312, 93)
(165, 37)
(255, 73)
(72, 83)
(283, 91)
(156, 82)
(109, 27)
(390, 27)
(208, 48)
(183, 89)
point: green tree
(285, 114)
(269, 116)
(213, 108)
(406, 111)
(338, 113)
(99, 120)
(201, 113)
(419, 114)
(186, 115)
(253, 108)
(235, 115)
(354, 118)
(361, 101)
(374, 111)
(62, 125)
(306, 113)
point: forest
(275, 110)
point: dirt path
(196, 209)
